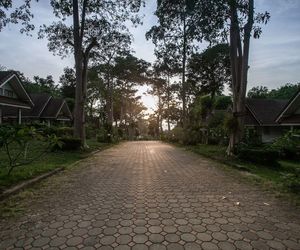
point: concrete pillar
(19, 116)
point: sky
(274, 58)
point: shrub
(91, 132)
(177, 135)
(191, 136)
(69, 143)
(252, 137)
(16, 140)
(288, 145)
(230, 123)
(103, 136)
(217, 136)
(292, 182)
(64, 132)
(264, 156)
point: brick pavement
(149, 195)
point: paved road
(149, 195)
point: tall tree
(176, 33)
(129, 72)
(117, 45)
(209, 71)
(237, 19)
(92, 21)
(68, 83)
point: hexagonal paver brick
(150, 195)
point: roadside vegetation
(276, 165)
(31, 150)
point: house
(13, 95)
(46, 109)
(272, 118)
(40, 107)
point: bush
(264, 156)
(288, 145)
(230, 123)
(292, 182)
(103, 136)
(91, 132)
(17, 139)
(191, 136)
(217, 136)
(64, 132)
(69, 143)
(252, 137)
(178, 135)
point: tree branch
(70, 42)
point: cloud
(274, 58)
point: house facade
(272, 118)
(13, 95)
(18, 105)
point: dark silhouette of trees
(20, 14)
(92, 24)
(209, 71)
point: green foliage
(68, 143)
(209, 71)
(217, 136)
(104, 23)
(64, 132)
(43, 85)
(15, 141)
(292, 181)
(191, 136)
(230, 123)
(262, 155)
(252, 137)
(50, 161)
(68, 83)
(286, 91)
(259, 92)
(223, 102)
(176, 135)
(288, 145)
(10, 13)
(103, 135)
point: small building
(46, 109)
(13, 95)
(272, 118)
(18, 105)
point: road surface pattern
(149, 195)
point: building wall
(269, 133)
(7, 90)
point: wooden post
(19, 116)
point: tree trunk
(109, 100)
(168, 103)
(239, 70)
(184, 116)
(79, 100)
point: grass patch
(46, 163)
(270, 176)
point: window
(8, 93)
(1, 91)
